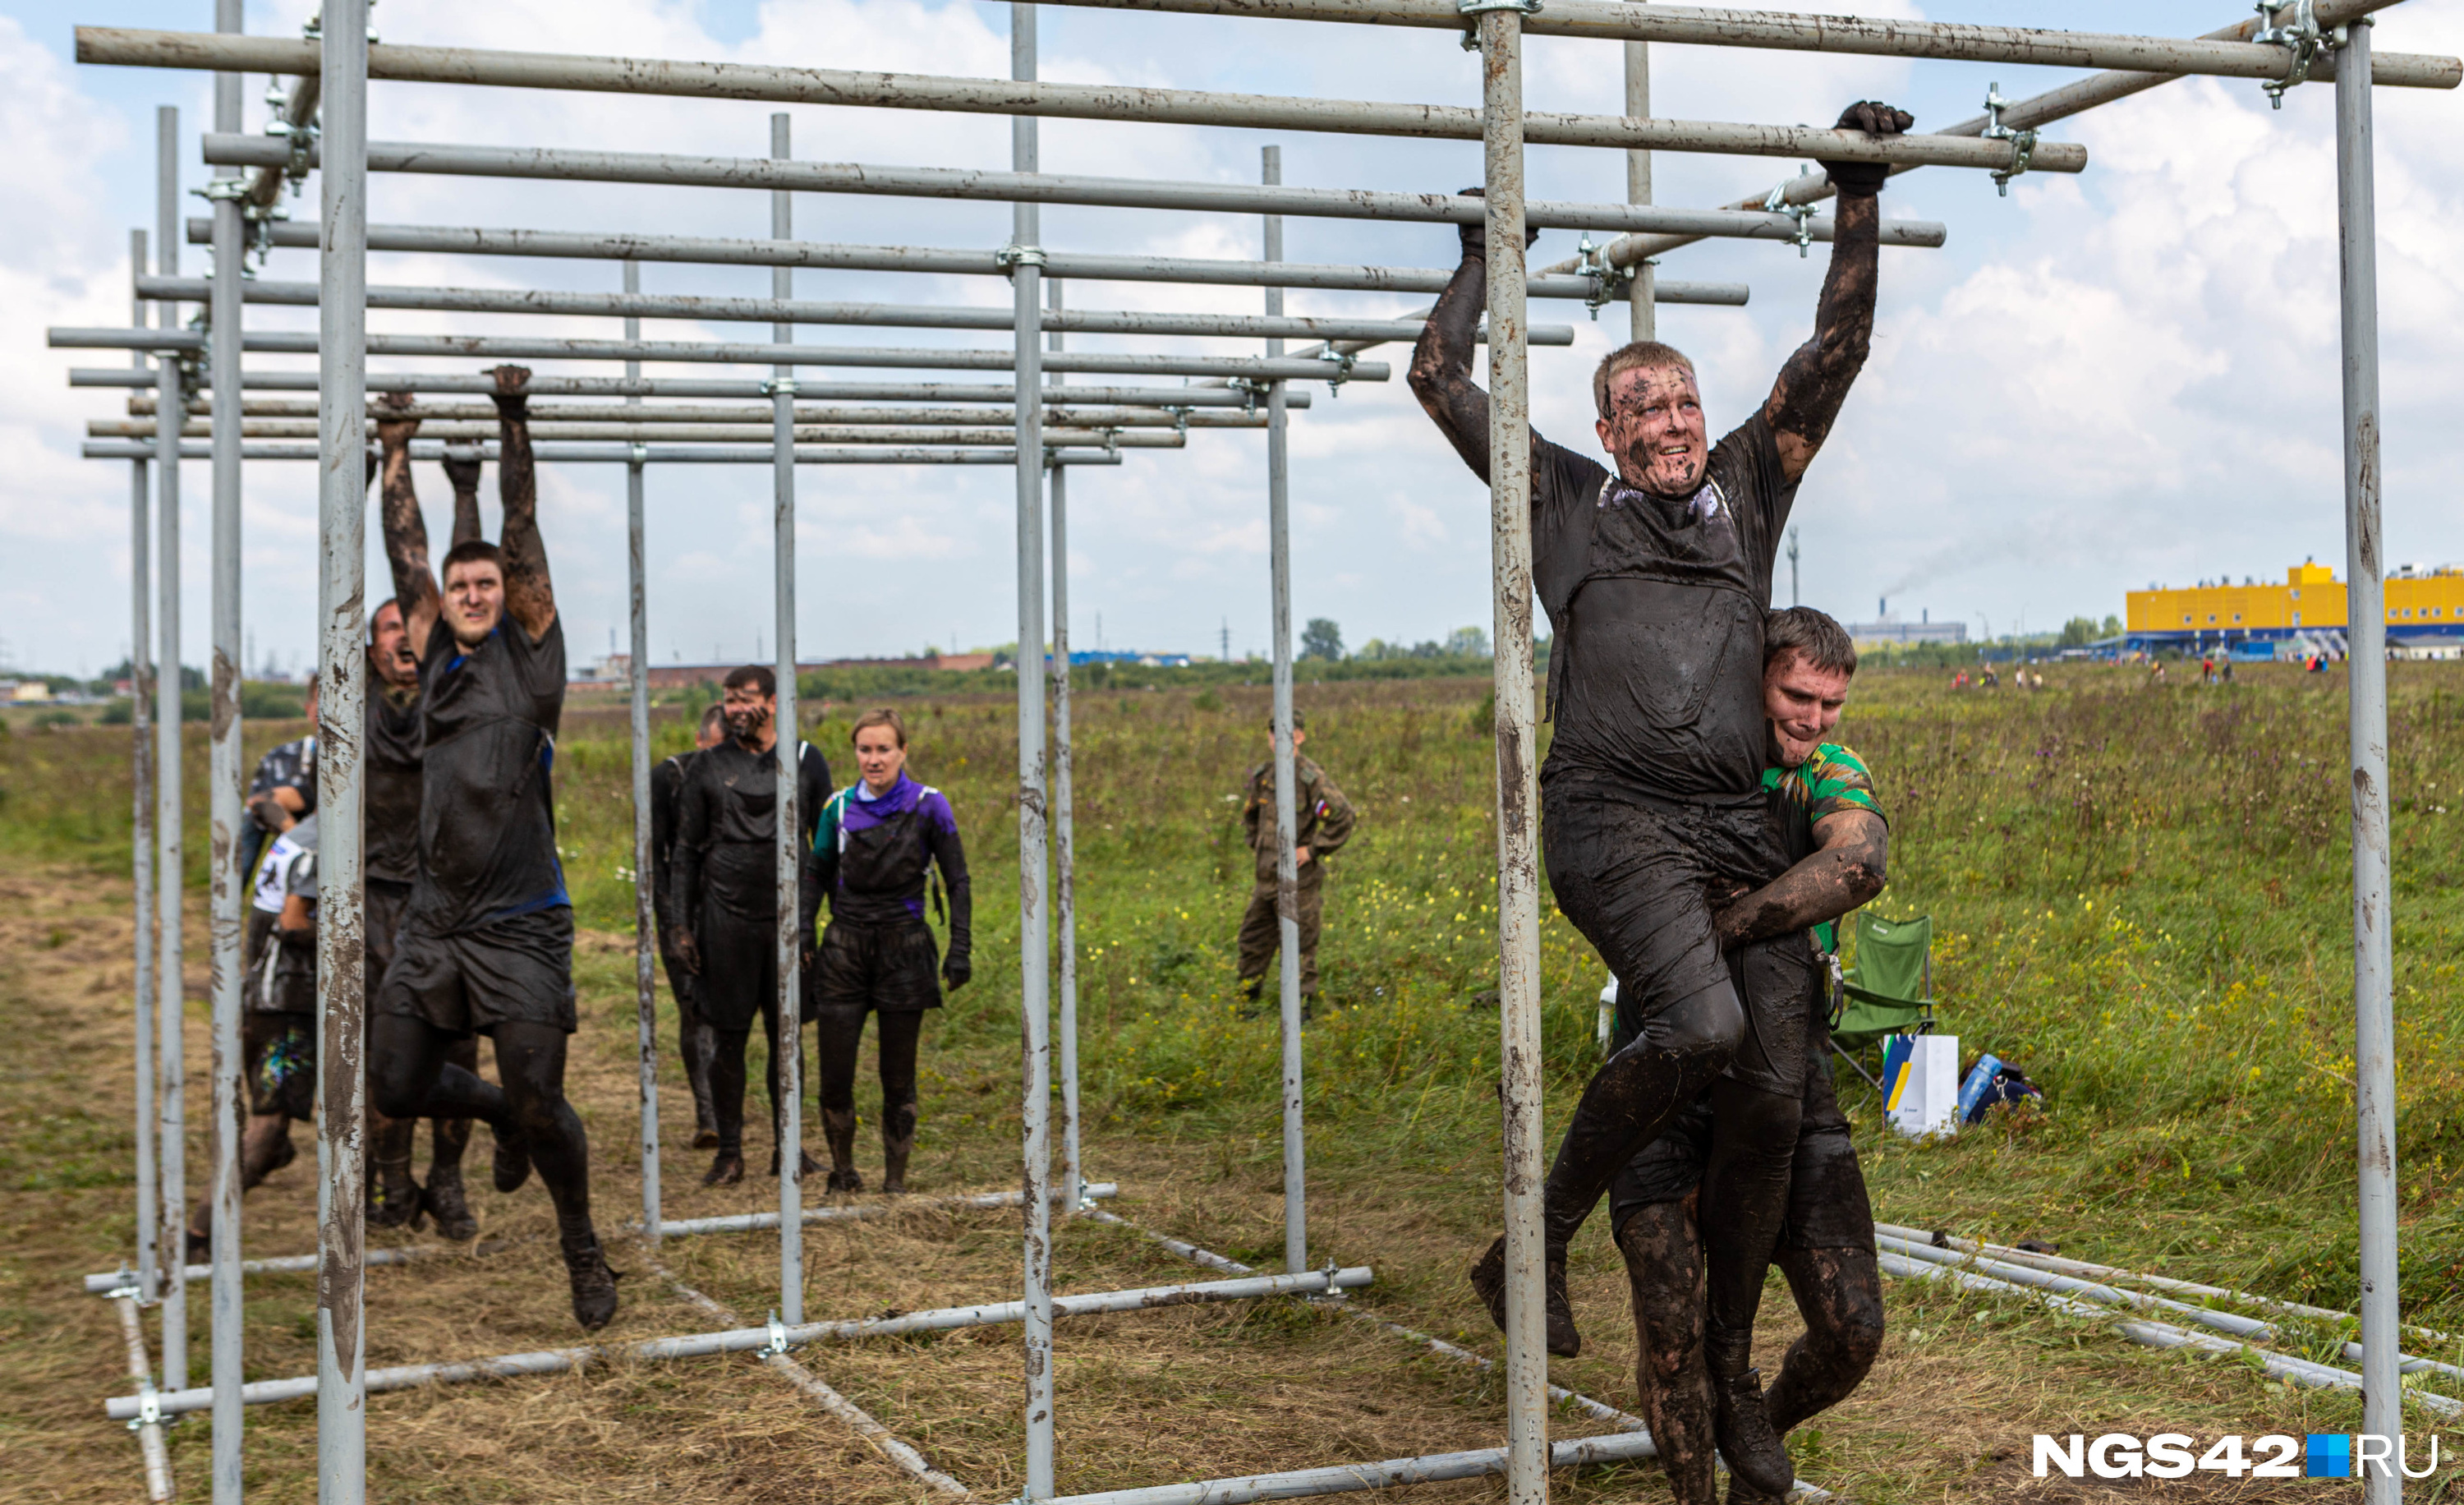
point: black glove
(956, 971)
(1475, 235)
(1864, 179)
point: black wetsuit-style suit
(694, 1042)
(726, 878)
(390, 758)
(1651, 799)
(871, 860)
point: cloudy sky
(2102, 381)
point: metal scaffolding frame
(2331, 41)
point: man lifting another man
(1656, 578)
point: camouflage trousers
(1261, 935)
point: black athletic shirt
(667, 794)
(487, 815)
(391, 795)
(727, 829)
(1659, 618)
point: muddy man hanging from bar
(1655, 578)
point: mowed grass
(2142, 897)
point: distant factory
(2304, 613)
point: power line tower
(1226, 638)
(1794, 599)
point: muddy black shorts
(386, 906)
(280, 1052)
(514, 971)
(1827, 1205)
(738, 982)
(886, 967)
(1635, 874)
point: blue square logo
(2329, 1457)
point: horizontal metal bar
(1344, 1478)
(803, 310)
(454, 433)
(108, 1281)
(751, 1340)
(773, 173)
(443, 383)
(625, 453)
(1615, 20)
(687, 418)
(894, 91)
(530, 347)
(1074, 266)
(2161, 1335)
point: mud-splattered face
(748, 712)
(1803, 703)
(389, 647)
(475, 600)
(1655, 430)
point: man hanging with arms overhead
(1655, 579)
(487, 945)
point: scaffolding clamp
(777, 1347)
(2301, 41)
(779, 386)
(149, 1406)
(1012, 256)
(1473, 10)
(1343, 363)
(1250, 389)
(2023, 144)
(1776, 202)
(639, 455)
(1179, 418)
(1608, 283)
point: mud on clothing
(870, 858)
(1828, 1206)
(390, 765)
(487, 938)
(725, 872)
(292, 764)
(279, 1032)
(1652, 789)
(666, 795)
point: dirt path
(1183, 1393)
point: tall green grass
(2142, 895)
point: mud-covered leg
(445, 1197)
(1663, 1262)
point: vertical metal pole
(2365, 617)
(1287, 875)
(140, 831)
(171, 1060)
(230, 1104)
(342, 698)
(646, 921)
(1642, 293)
(791, 1051)
(1518, 892)
(1065, 835)
(1034, 920)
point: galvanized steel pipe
(592, 244)
(341, 1119)
(897, 91)
(790, 311)
(227, 882)
(2366, 739)
(1615, 20)
(1278, 733)
(444, 383)
(650, 454)
(465, 434)
(170, 1055)
(1030, 187)
(646, 921)
(142, 755)
(1518, 894)
(790, 767)
(1065, 832)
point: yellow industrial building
(2308, 606)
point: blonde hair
(882, 716)
(1633, 358)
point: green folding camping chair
(1888, 991)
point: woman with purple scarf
(872, 854)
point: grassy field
(2143, 898)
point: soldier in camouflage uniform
(1323, 821)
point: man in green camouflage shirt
(1322, 823)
